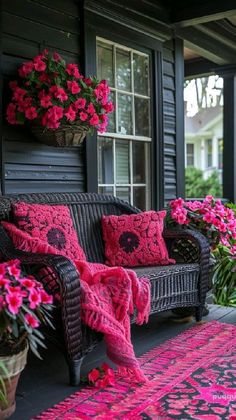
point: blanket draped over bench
(109, 296)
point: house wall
(27, 28)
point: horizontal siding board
(41, 14)
(44, 155)
(68, 7)
(168, 82)
(39, 33)
(168, 68)
(168, 55)
(16, 187)
(39, 172)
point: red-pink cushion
(135, 240)
(51, 224)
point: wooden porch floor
(44, 383)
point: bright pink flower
(4, 281)
(56, 57)
(24, 104)
(94, 120)
(80, 103)
(31, 113)
(109, 107)
(44, 78)
(90, 109)
(88, 81)
(70, 114)
(19, 93)
(39, 65)
(26, 68)
(14, 301)
(209, 198)
(83, 116)
(45, 298)
(2, 269)
(34, 298)
(179, 202)
(31, 321)
(73, 87)
(105, 367)
(93, 375)
(14, 271)
(208, 217)
(45, 101)
(60, 94)
(27, 283)
(72, 70)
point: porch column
(229, 151)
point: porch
(44, 383)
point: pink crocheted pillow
(136, 239)
(51, 224)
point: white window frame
(131, 138)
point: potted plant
(60, 104)
(24, 305)
(218, 223)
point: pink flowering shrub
(101, 377)
(216, 221)
(24, 305)
(54, 93)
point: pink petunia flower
(93, 375)
(31, 113)
(70, 114)
(45, 298)
(80, 103)
(34, 298)
(94, 120)
(83, 116)
(31, 321)
(14, 301)
(72, 70)
(73, 87)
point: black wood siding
(27, 28)
(169, 117)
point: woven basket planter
(14, 365)
(64, 136)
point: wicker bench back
(86, 211)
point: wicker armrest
(68, 279)
(193, 246)
(201, 245)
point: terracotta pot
(14, 365)
(64, 136)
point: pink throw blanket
(109, 296)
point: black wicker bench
(181, 285)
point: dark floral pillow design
(51, 224)
(136, 239)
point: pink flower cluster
(55, 93)
(21, 299)
(102, 376)
(210, 216)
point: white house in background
(204, 140)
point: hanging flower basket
(14, 365)
(64, 136)
(59, 103)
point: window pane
(220, 153)
(140, 159)
(124, 114)
(105, 161)
(123, 193)
(142, 117)
(122, 162)
(105, 63)
(140, 197)
(141, 74)
(106, 190)
(123, 70)
(111, 128)
(209, 153)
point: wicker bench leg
(74, 371)
(198, 313)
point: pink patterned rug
(192, 376)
